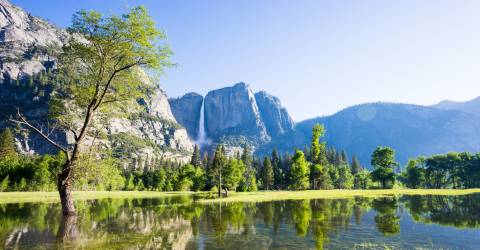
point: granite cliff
(25, 45)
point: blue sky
(316, 56)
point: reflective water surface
(179, 222)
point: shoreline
(259, 196)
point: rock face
(148, 134)
(276, 118)
(186, 110)
(234, 116)
(232, 112)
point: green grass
(21, 197)
(333, 194)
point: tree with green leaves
(218, 164)
(7, 144)
(232, 174)
(362, 180)
(345, 177)
(196, 160)
(99, 74)
(266, 174)
(383, 162)
(299, 172)
(319, 178)
(414, 175)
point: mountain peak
(471, 106)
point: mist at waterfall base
(202, 140)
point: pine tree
(278, 174)
(196, 160)
(7, 144)
(219, 161)
(267, 174)
(355, 167)
(344, 157)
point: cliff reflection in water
(180, 223)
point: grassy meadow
(50, 197)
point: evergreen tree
(219, 161)
(299, 172)
(355, 167)
(7, 144)
(267, 174)
(196, 160)
(278, 173)
(344, 157)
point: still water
(179, 222)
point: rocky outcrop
(276, 118)
(231, 112)
(186, 110)
(25, 40)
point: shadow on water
(178, 222)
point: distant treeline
(315, 167)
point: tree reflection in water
(178, 223)
(386, 220)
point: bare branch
(23, 121)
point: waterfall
(202, 138)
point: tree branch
(23, 121)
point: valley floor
(19, 197)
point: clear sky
(316, 56)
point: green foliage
(383, 161)
(4, 184)
(319, 177)
(362, 180)
(98, 172)
(233, 173)
(355, 166)
(279, 178)
(299, 172)
(130, 186)
(318, 150)
(345, 178)
(414, 175)
(266, 174)
(196, 160)
(34, 173)
(7, 144)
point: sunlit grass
(20, 197)
(333, 194)
(49, 197)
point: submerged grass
(49, 197)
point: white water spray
(202, 138)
